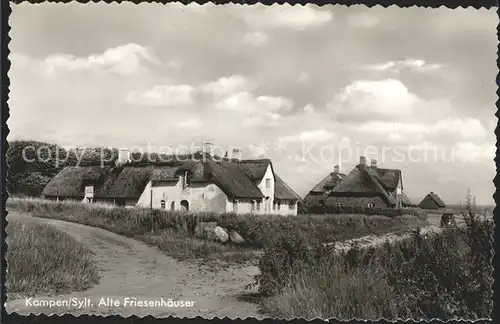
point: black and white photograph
(251, 161)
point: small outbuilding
(432, 201)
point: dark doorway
(184, 205)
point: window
(291, 205)
(252, 206)
(278, 204)
(172, 206)
(274, 205)
(235, 206)
(258, 205)
(268, 183)
(338, 204)
(370, 205)
(162, 203)
(185, 180)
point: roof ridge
(377, 183)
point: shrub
(444, 275)
(389, 212)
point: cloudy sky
(308, 87)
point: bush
(389, 212)
(445, 275)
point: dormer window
(371, 205)
(185, 180)
(338, 204)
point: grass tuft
(43, 260)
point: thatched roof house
(128, 181)
(432, 201)
(320, 191)
(364, 186)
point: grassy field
(174, 232)
(445, 276)
(42, 260)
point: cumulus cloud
(163, 95)
(388, 97)
(316, 136)
(396, 66)
(127, 59)
(190, 124)
(227, 85)
(472, 152)
(246, 102)
(362, 20)
(462, 129)
(309, 109)
(256, 38)
(263, 120)
(284, 16)
(257, 151)
(190, 7)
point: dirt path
(373, 240)
(132, 269)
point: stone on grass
(236, 238)
(220, 234)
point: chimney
(374, 163)
(362, 160)
(123, 156)
(336, 169)
(236, 154)
(208, 148)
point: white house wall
(244, 206)
(267, 208)
(284, 210)
(203, 197)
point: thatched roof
(236, 178)
(365, 181)
(255, 169)
(389, 178)
(235, 183)
(282, 191)
(434, 198)
(328, 183)
(71, 181)
(131, 182)
(197, 171)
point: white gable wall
(267, 204)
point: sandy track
(130, 268)
(434, 226)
